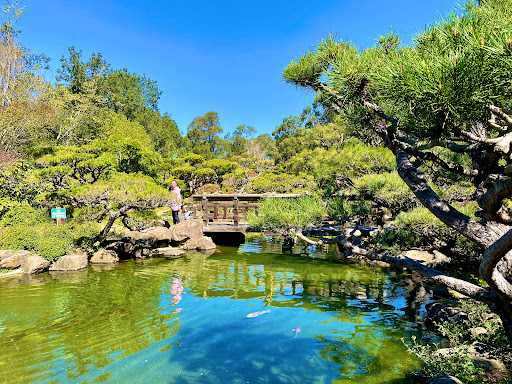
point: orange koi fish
(256, 314)
(296, 330)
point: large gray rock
(169, 252)
(187, 229)
(77, 259)
(104, 257)
(203, 243)
(444, 379)
(15, 260)
(153, 234)
(442, 312)
(433, 260)
(34, 264)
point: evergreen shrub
(287, 215)
(386, 189)
(48, 240)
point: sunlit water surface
(185, 321)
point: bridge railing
(228, 207)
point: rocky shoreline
(160, 241)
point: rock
(433, 260)
(444, 379)
(13, 272)
(493, 367)
(153, 234)
(104, 257)
(123, 247)
(203, 243)
(5, 253)
(187, 229)
(170, 252)
(71, 262)
(357, 233)
(34, 264)
(143, 253)
(15, 260)
(442, 312)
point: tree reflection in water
(184, 321)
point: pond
(310, 320)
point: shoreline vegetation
(404, 158)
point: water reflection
(185, 321)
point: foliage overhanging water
(185, 321)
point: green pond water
(185, 321)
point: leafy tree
(164, 133)
(78, 75)
(196, 171)
(203, 135)
(239, 139)
(449, 93)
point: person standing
(175, 205)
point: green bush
(287, 215)
(19, 237)
(48, 240)
(460, 335)
(339, 208)
(282, 183)
(396, 240)
(386, 189)
(24, 214)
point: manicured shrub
(24, 214)
(209, 188)
(282, 183)
(48, 240)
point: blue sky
(223, 56)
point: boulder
(153, 234)
(433, 260)
(104, 257)
(5, 253)
(143, 253)
(203, 243)
(187, 229)
(493, 367)
(34, 264)
(170, 252)
(441, 312)
(444, 379)
(15, 260)
(77, 259)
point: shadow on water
(185, 321)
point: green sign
(59, 213)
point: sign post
(59, 214)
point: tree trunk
(112, 216)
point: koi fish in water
(296, 330)
(256, 314)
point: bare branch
(474, 291)
(501, 114)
